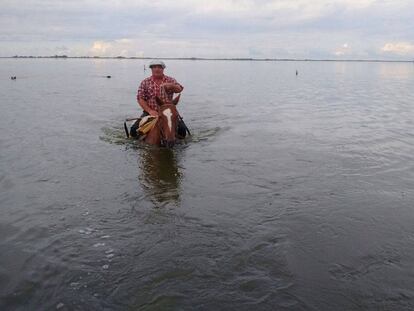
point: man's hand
(144, 105)
(167, 86)
(172, 87)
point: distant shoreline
(208, 59)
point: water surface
(295, 192)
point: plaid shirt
(148, 90)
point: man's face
(157, 71)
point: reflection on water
(160, 175)
(395, 71)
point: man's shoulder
(169, 79)
(146, 80)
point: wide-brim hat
(156, 62)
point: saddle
(146, 124)
(142, 126)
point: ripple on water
(294, 193)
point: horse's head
(168, 121)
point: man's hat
(157, 62)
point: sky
(305, 29)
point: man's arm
(173, 87)
(142, 93)
(144, 105)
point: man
(157, 85)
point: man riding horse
(161, 86)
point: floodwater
(294, 193)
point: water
(295, 192)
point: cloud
(215, 28)
(399, 48)
(99, 48)
(121, 47)
(124, 41)
(343, 50)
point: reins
(162, 89)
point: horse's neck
(153, 137)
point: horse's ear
(175, 100)
(159, 101)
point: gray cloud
(294, 28)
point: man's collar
(163, 78)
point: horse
(164, 132)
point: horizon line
(210, 58)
